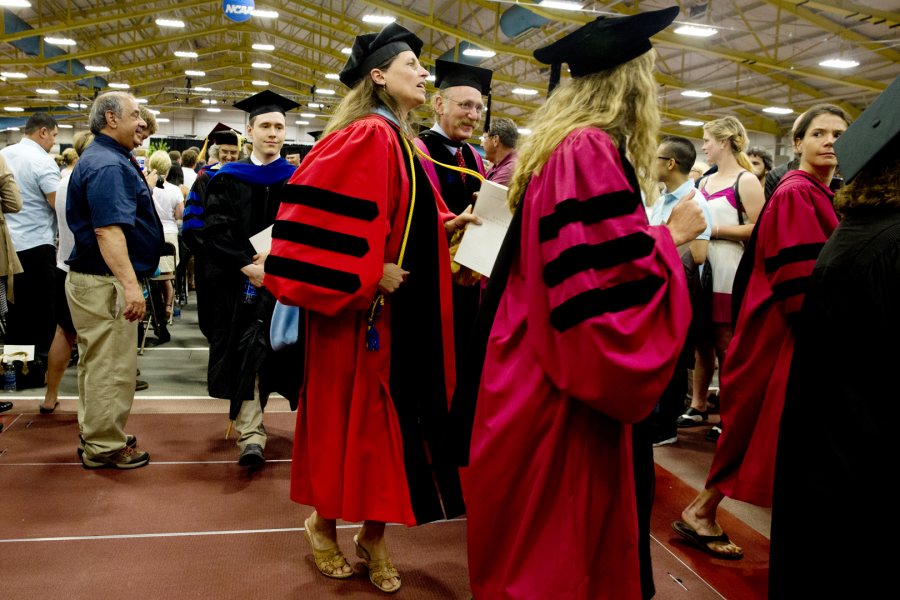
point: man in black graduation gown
(242, 199)
(458, 108)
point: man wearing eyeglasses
(458, 108)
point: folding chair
(155, 315)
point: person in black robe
(836, 439)
(242, 199)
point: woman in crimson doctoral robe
(360, 224)
(791, 231)
(591, 314)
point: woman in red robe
(361, 244)
(791, 231)
(591, 316)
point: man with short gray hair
(31, 319)
(500, 148)
(118, 238)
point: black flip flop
(701, 541)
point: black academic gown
(457, 195)
(235, 211)
(832, 515)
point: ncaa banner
(238, 10)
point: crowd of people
(630, 273)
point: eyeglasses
(469, 106)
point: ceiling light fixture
(209, 101)
(261, 65)
(170, 23)
(260, 82)
(839, 63)
(141, 100)
(46, 91)
(13, 109)
(200, 88)
(60, 41)
(524, 131)
(191, 73)
(302, 122)
(162, 120)
(325, 91)
(378, 19)
(314, 105)
(268, 47)
(524, 91)
(76, 105)
(154, 111)
(778, 110)
(64, 126)
(346, 50)
(119, 86)
(308, 115)
(13, 75)
(213, 110)
(15, 3)
(696, 31)
(184, 54)
(479, 53)
(264, 14)
(96, 69)
(431, 78)
(690, 123)
(12, 129)
(332, 76)
(696, 94)
(561, 4)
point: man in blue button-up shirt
(118, 238)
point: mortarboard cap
(871, 135)
(606, 42)
(451, 74)
(224, 134)
(266, 102)
(371, 50)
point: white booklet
(481, 243)
(262, 241)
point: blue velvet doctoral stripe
(270, 174)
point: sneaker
(692, 417)
(665, 439)
(126, 458)
(5, 406)
(252, 456)
(140, 385)
(714, 433)
(130, 442)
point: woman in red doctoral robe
(586, 336)
(360, 223)
(791, 232)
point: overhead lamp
(170, 23)
(524, 131)
(308, 115)
(209, 101)
(200, 88)
(778, 110)
(268, 47)
(839, 63)
(264, 14)
(12, 129)
(191, 73)
(378, 19)
(561, 4)
(46, 91)
(64, 126)
(96, 69)
(15, 3)
(13, 75)
(314, 105)
(431, 78)
(524, 91)
(13, 109)
(690, 123)
(696, 94)
(695, 31)
(154, 111)
(60, 41)
(332, 76)
(141, 100)
(162, 120)
(185, 54)
(76, 105)
(260, 82)
(302, 122)
(261, 65)
(325, 91)
(346, 50)
(479, 53)
(119, 86)
(213, 110)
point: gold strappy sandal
(380, 570)
(327, 561)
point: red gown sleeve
(608, 305)
(799, 221)
(328, 242)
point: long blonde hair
(729, 128)
(363, 99)
(621, 101)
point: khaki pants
(107, 360)
(249, 422)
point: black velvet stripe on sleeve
(594, 303)
(791, 287)
(317, 237)
(792, 254)
(597, 256)
(324, 277)
(592, 210)
(339, 204)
